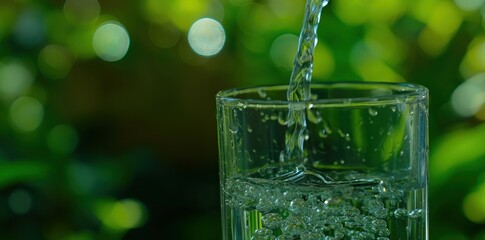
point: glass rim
(410, 92)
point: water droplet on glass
(262, 93)
(233, 128)
(327, 128)
(306, 134)
(282, 119)
(342, 135)
(241, 105)
(373, 112)
(323, 133)
(411, 111)
(265, 118)
(250, 130)
(347, 137)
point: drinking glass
(362, 171)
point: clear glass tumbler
(362, 172)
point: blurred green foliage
(107, 124)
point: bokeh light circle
(469, 5)
(283, 51)
(55, 61)
(15, 79)
(469, 97)
(29, 29)
(474, 205)
(62, 139)
(111, 41)
(20, 201)
(207, 37)
(122, 215)
(26, 114)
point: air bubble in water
(293, 226)
(373, 112)
(382, 188)
(264, 205)
(416, 213)
(298, 206)
(311, 236)
(400, 213)
(383, 232)
(272, 220)
(264, 231)
(283, 237)
(338, 235)
(250, 130)
(263, 234)
(314, 116)
(380, 223)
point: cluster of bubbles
(309, 212)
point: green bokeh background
(126, 149)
